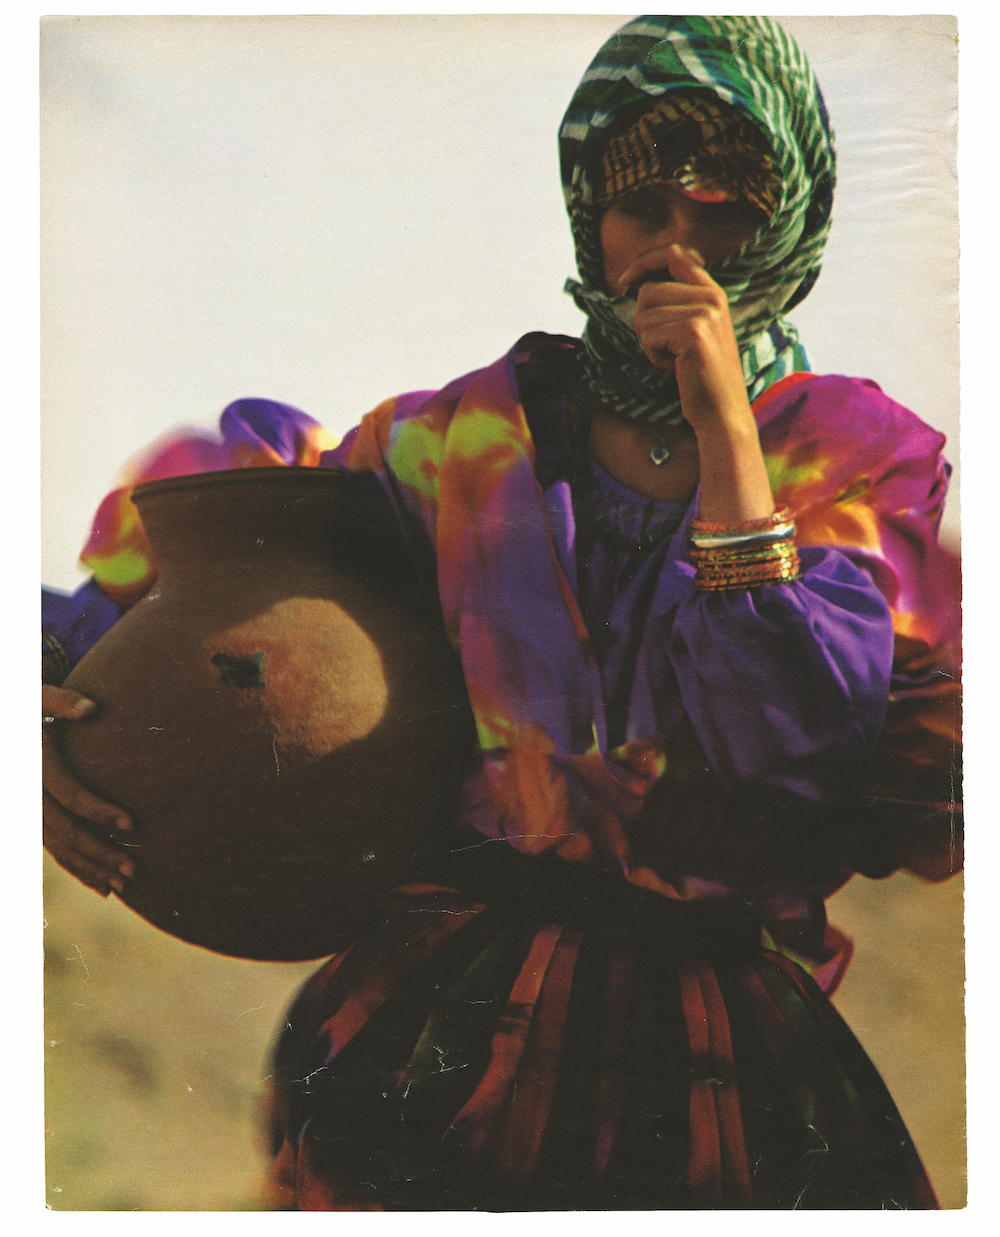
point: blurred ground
(157, 1050)
(156, 1054)
(903, 997)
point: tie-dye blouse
(696, 742)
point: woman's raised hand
(684, 326)
(76, 823)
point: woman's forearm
(684, 325)
(732, 476)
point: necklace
(590, 506)
(662, 449)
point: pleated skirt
(483, 1056)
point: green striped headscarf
(753, 65)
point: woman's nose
(682, 225)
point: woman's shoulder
(825, 437)
(529, 376)
(539, 365)
(538, 368)
(838, 410)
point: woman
(680, 616)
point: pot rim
(237, 476)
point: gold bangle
(737, 557)
(705, 528)
(735, 562)
(735, 579)
(777, 565)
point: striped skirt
(478, 1054)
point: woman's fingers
(687, 314)
(684, 327)
(682, 323)
(62, 786)
(686, 266)
(73, 818)
(685, 317)
(684, 295)
(63, 702)
(91, 859)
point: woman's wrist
(746, 554)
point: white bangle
(709, 542)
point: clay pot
(289, 742)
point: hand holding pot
(75, 823)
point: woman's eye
(643, 206)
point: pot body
(288, 741)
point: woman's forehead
(696, 141)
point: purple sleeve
(787, 685)
(77, 620)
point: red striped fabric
(474, 1124)
(718, 1148)
(339, 1030)
(520, 1136)
(554, 1102)
(618, 1008)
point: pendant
(659, 455)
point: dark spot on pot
(245, 671)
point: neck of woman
(628, 449)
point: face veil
(751, 65)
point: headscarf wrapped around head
(750, 64)
(695, 141)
